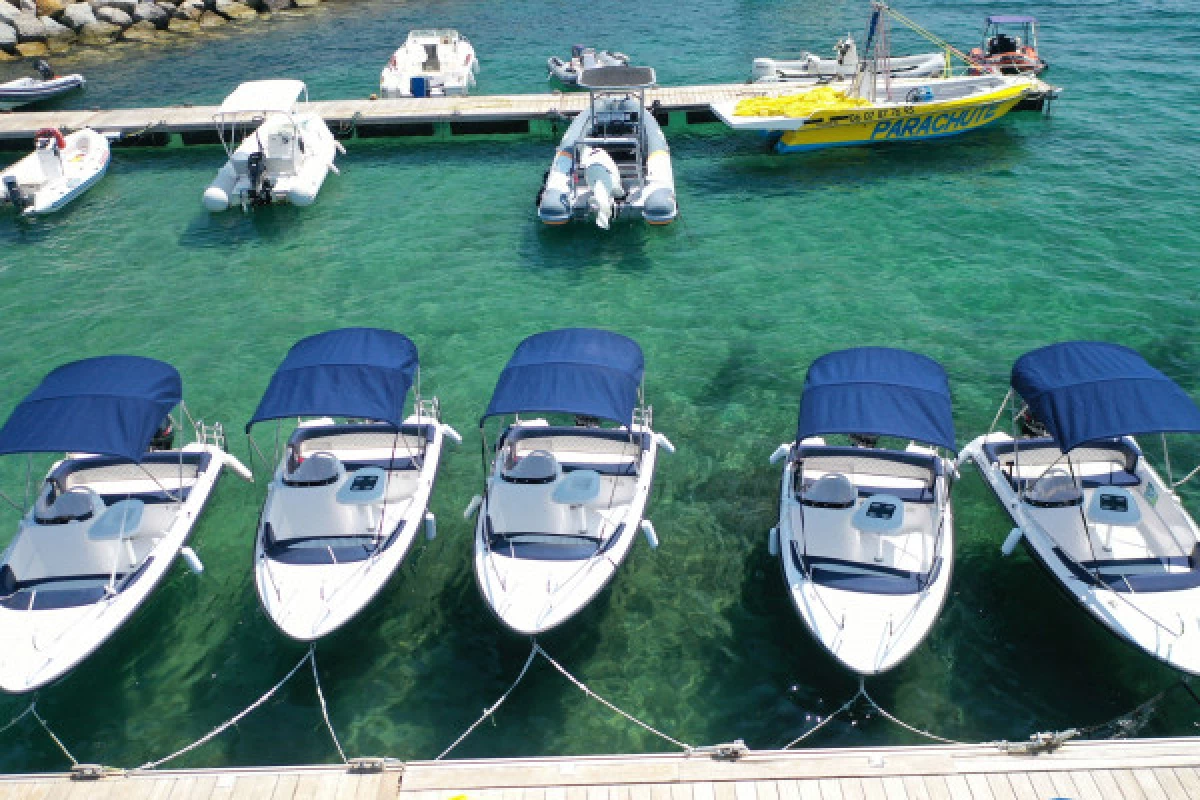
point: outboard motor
(604, 179)
(44, 69)
(12, 191)
(258, 185)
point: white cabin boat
(613, 159)
(279, 152)
(866, 534)
(109, 519)
(349, 498)
(583, 58)
(430, 63)
(1085, 500)
(811, 68)
(60, 169)
(563, 504)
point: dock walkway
(1135, 769)
(478, 114)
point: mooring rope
(862, 694)
(487, 712)
(57, 741)
(312, 660)
(18, 718)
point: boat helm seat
(74, 505)
(318, 469)
(1054, 489)
(831, 491)
(540, 466)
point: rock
(271, 5)
(183, 25)
(6, 57)
(189, 9)
(29, 28)
(233, 10)
(32, 49)
(76, 15)
(211, 19)
(125, 5)
(8, 13)
(144, 31)
(306, 3)
(114, 16)
(56, 31)
(97, 33)
(8, 37)
(28, 6)
(149, 12)
(50, 8)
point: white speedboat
(430, 63)
(60, 169)
(349, 497)
(1086, 501)
(811, 68)
(613, 158)
(583, 58)
(562, 504)
(109, 519)
(24, 91)
(866, 533)
(279, 152)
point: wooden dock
(1136, 769)
(487, 115)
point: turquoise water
(972, 250)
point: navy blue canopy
(571, 371)
(351, 372)
(110, 405)
(1010, 19)
(1084, 391)
(877, 391)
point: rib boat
(350, 495)
(108, 520)
(59, 170)
(1084, 498)
(46, 86)
(811, 68)
(866, 533)
(583, 58)
(563, 503)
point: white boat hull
(24, 91)
(48, 180)
(442, 62)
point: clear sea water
(972, 250)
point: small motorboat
(59, 169)
(1086, 501)
(866, 533)
(279, 152)
(25, 91)
(430, 63)
(613, 158)
(349, 497)
(1009, 45)
(109, 519)
(583, 58)
(811, 68)
(563, 503)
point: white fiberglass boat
(1086, 501)
(866, 534)
(562, 504)
(109, 519)
(278, 151)
(430, 63)
(348, 498)
(24, 91)
(613, 158)
(583, 58)
(59, 169)
(811, 68)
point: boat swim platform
(1123, 769)
(433, 117)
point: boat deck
(1133, 769)
(478, 115)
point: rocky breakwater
(41, 27)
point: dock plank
(916, 787)
(1086, 784)
(831, 789)
(1170, 784)
(1129, 785)
(1189, 779)
(1000, 786)
(852, 789)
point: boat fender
(1010, 543)
(450, 433)
(781, 452)
(473, 506)
(193, 560)
(651, 536)
(430, 526)
(664, 443)
(216, 199)
(537, 203)
(773, 542)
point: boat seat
(1055, 489)
(73, 505)
(540, 466)
(319, 469)
(831, 491)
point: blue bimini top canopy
(571, 371)
(877, 391)
(1010, 19)
(1084, 391)
(351, 372)
(110, 405)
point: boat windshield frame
(996, 25)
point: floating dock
(434, 117)
(1131, 769)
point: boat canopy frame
(617, 82)
(252, 102)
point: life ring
(51, 133)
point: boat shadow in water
(580, 246)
